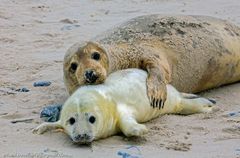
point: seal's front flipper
(44, 127)
(130, 128)
(159, 74)
(191, 103)
(128, 124)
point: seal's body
(193, 53)
(120, 104)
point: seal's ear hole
(73, 67)
(92, 119)
(95, 56)
(72, 121)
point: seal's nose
(81, 138)
(90, 76)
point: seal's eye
(96, 56)
(73, 67)
(72, 121)
(92, 119)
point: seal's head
(86, 117)
(84, 63)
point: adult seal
(193, 53)
(119, 105)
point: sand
(34, 36)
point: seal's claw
(153, 103)
(157, 91)
(160, 103)
(39, 130)
(157, 103)
(34, 131)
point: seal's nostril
(89, 73)
(88, 137)
(79, 137)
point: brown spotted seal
(193, 53)
(118, 105)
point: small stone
(24, 89)
(41, 83)
(68, 21)
(51, 113)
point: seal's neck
(109, 123)
(122, 56)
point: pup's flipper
(44, 127)
(192, 103)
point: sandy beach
(34, 36)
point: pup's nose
(82, 137)
(91, 76)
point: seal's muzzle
(82, 139)
(91, 76)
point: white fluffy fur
(120, 104)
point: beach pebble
(69, 27)
(237, 113)
(24, 89)
(68, 21)
(231, 114)
(41, 83)
(51, 113)
(130, 152)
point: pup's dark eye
(96, 56)
(92, 119)
(72, 121)
(73, 67)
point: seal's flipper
(128, 124)
(44, 127)
(132, 128)
(189, 96)
(192, 103)
(194, 96)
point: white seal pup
(120, 104)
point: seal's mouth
(82, 142)
(82, 139)
(89, 81)
(90, 76)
